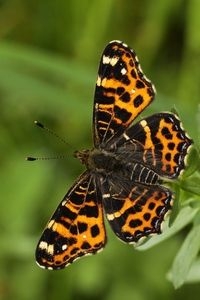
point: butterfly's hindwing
(135, 208)
(160, 142)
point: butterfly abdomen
(142, 174)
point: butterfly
(124, 169)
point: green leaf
(185, 257)
(193, 162)
(191, 185)
(194, 272)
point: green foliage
(49, 55)
(187, 255)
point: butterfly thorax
(100, 161)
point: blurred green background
(49, 55)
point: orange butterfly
(123, 169)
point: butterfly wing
(160, 142)
(135, 210)
(122, 92)
(76, 228)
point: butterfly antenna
(39, 124)
(31, 158)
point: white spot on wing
(143, 123)
(113, 61)
(64, 247)
(110, 217)
(43, 245)
(123, 71)
(98, 83)
(106, 59)
(50, 224)
(110, 60)
(49, 248)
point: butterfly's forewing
(76, 228)
(122, 92)
(162, 143)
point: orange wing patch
(122, 92)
